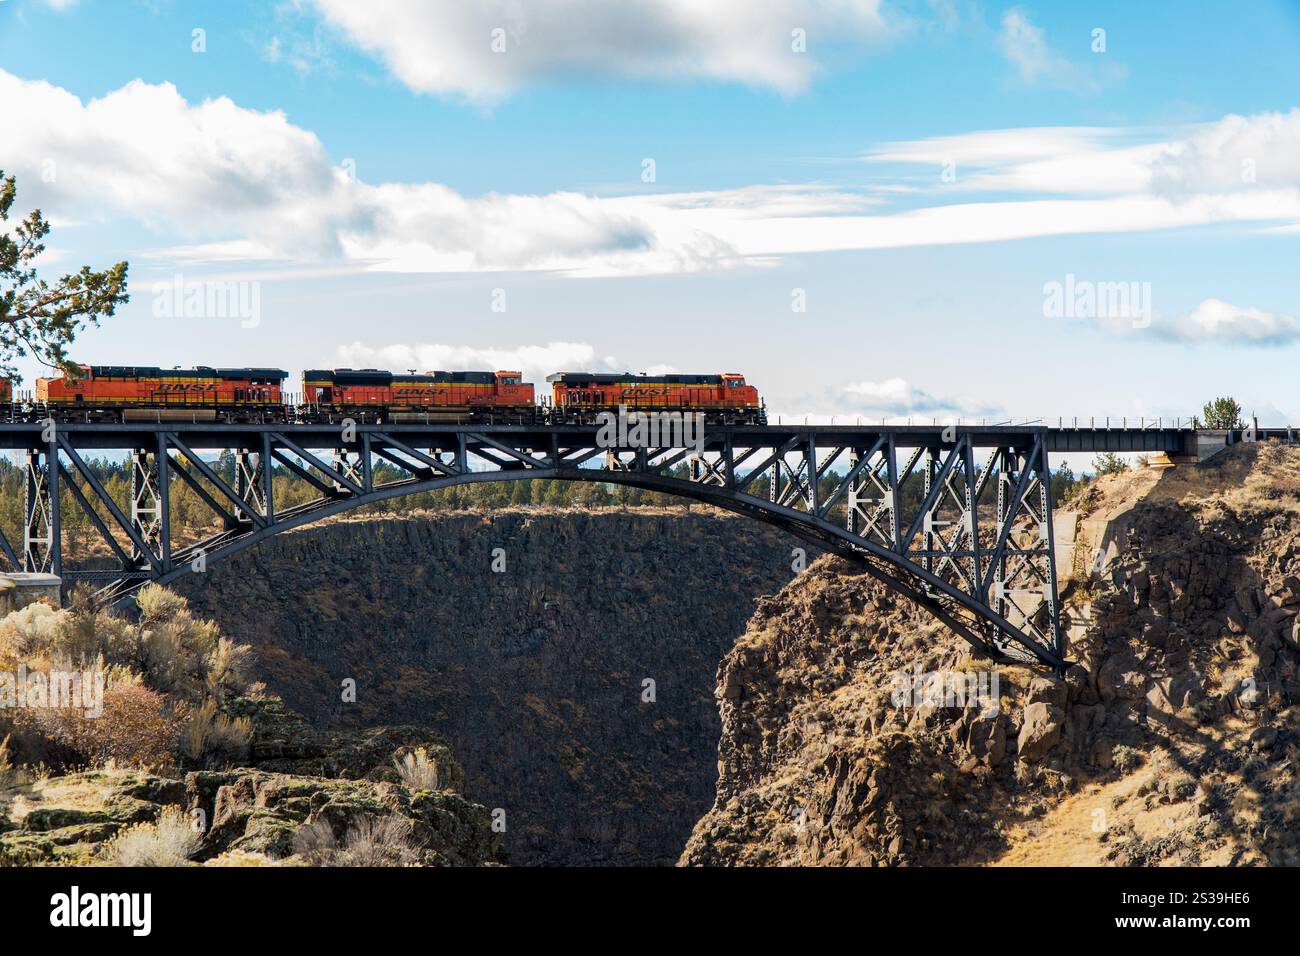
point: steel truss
(958, 521)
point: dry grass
(170, 841)
(210, 733)
(371, 841)
(418, 770)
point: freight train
(139, 393)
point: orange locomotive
(724, 399)
(370, 394)
(129, 393)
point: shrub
(210, 733)
(31, 631)
(137, 728)
(7, 774)
(385, 841)
(1125, 758)
(170, 841)
(370, 841)
(314, 842)
(418, 770)
(228, 668)
(156, 604)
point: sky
(929, 210)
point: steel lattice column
(146, 506)
(352, 466)
(250, 482)
(1023, 572)
(41, 531)
(151, 502)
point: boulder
(1040, 730)
(1047, 690)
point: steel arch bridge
(958, 520)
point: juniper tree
(1221, 413)
(41, 319)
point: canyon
(568, 657)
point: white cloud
(1233, 154)
(1064, 159)
(1025, 47)
(446, 46)
(224, 183)
(896, 397)
(1237, 152)
(1214, 320)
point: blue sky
(916, 174)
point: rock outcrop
(1171, 740)
(298, 780)
(568, 658)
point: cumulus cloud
(215, 171)
(485, 49)
(222, 183)
(1214, 320)
(896, 398)
(1237, 152)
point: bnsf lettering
(644, 392)
(186, 387)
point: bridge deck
(207, 435)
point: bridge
(957, 519)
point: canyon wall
(567, 657)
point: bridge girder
(956, 520)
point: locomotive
(139, 393)
(147, 393)
(369, 394)
(579, 397)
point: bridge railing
(1092, 422)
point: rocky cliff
(341, 790)
(567, 657)
(1171, 741)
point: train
(147, 393)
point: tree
(1064, 484)
(37, 318)
(1109, 463)
(1221, 413)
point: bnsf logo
(643, 392)
(186, 387)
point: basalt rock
(575, 685)
(1176, 715)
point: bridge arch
(976, 540)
